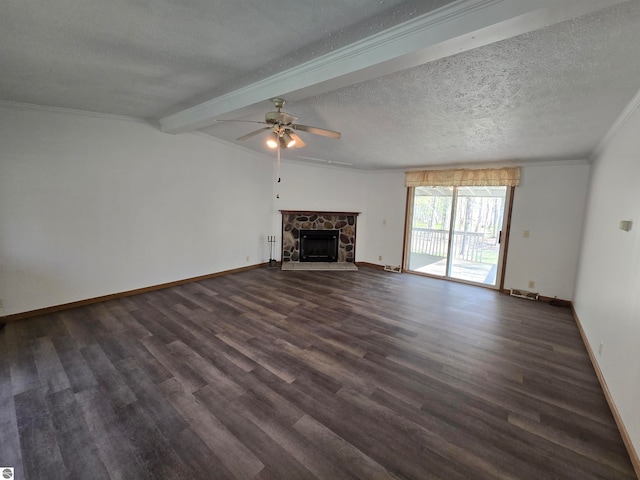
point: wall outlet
(526, 234)
(384, 221)
(600, 348)
(379, 257)
(532, 284)
(248, 258)
(625, 225)
(1, 304)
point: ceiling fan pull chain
(278, 164)
(278, 169)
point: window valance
(462, 177)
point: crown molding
(453, 28)
(624, 117)
(487, 164)
(70, 111)
(553, 162)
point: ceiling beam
(459, 26)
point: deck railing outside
(466, 245)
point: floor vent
(393, 268)
(524, 294)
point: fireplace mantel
(316, 212)
(293, 221)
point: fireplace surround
(338, 227)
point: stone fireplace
(313, 236)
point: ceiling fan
(282, 128)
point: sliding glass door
(430, 226)
(455, 232)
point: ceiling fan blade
(287, 118)
(249, 135)
(244, 121)
(299, 142)
(317, 131)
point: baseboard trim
(633, 454)
(128, 293)
(558, 302)
(370, 265)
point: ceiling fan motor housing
(280, 118)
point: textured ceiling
(548, 94)
(151, 57)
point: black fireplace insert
(319, 245)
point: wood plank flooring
(268, 374)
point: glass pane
(478, 221)
(429, 243)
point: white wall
(380, 198)
(306, 186)
(607, 298)
(550, 204)
(386, 198)
(93, 205)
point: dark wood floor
(299, 375)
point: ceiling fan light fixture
(272, 141)
(289, 141)
(282, 126)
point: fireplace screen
(319, 245)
